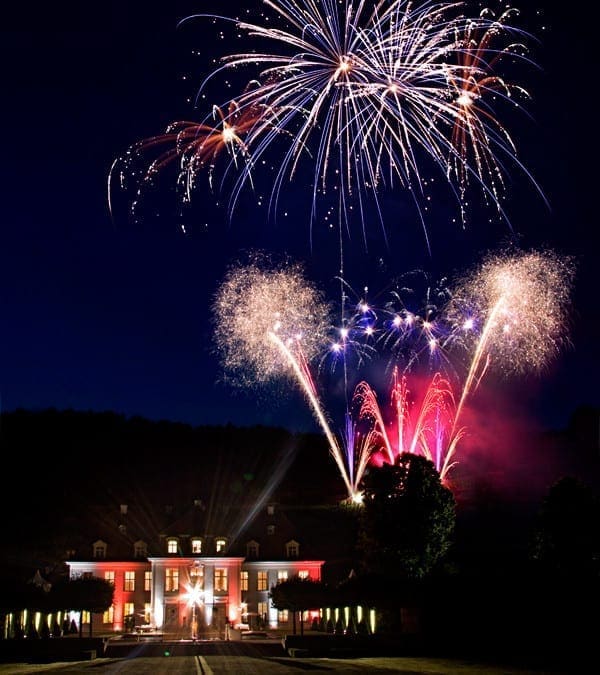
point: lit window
(196, 571)
(140, 550)
(172, 546)
(128, 609)
(99, 549)
(270, 509)
(282, 616)
(220, 545)
(110, 577)
(196, 545)
(129, 584)
(292, 549)
(243, 581)
(282, 575)
(171, 579)
(262, 610)
(252, 549)
(220, 580)
(262, 581)
(107, 617)
(303, 574)
(147, 581)
(85, 616)
(147, 612)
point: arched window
(99, 548)
(292, 549)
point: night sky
(104, 313)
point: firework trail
(427, 429)
(271, 323)
(518, 303)
(511, 311)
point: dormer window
(220, 545)
(172, 546)
(140, 549)
(99, 548)
(271, 509)
(196, 545)
(292, 549)
(252, 549)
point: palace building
(199, 571)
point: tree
(408, 519)
(567, 539)
(90, 594)
(298, 595)
(566, 569)
(16, 595)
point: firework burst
(193, 147)
(510, 312)
(260, 304)
(271, 323)
(374, 95)
(426, 427)
(518, 306)
(478, 135)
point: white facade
(192, 595)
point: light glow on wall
(158, 615)
(372, 620)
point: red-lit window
(171, 579)
(220, 579)
(129, 582)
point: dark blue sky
(115, 315)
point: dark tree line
(405, 528)
(90, 594)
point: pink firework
(426, 429)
